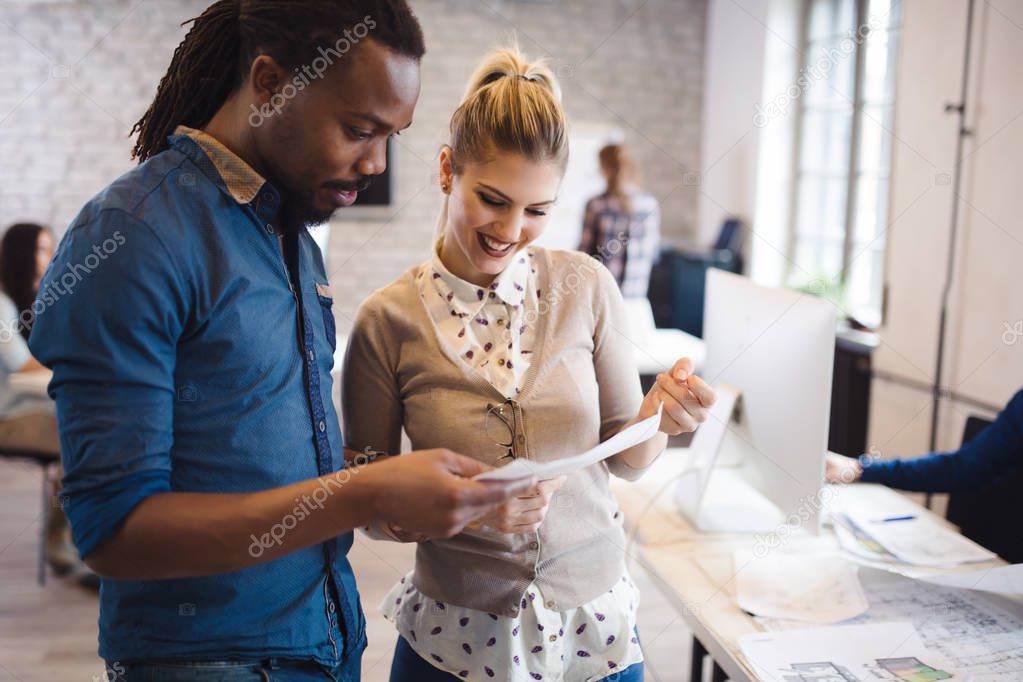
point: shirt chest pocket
(318, 310)
(325, 299)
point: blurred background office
(865, 151)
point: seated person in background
(28, 422)
(995, 451)
(622, 226)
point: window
(843, 151)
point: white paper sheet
(857, 653)
(522, 468)
(1006, 580)
(813, 588)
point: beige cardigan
(581, 387)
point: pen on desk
(895, 518)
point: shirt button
(323, 426)
(493, 295)
(501, 362)
(269, 228)
(550, 604)
(312, 356)
(331, 607)
(554, 638)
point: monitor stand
(712, 493)
(731, 505)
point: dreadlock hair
(214, 58)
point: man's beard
(300, 213)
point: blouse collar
(509, 286)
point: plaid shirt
(627, 243)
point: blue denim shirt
(183, 361)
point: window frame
(853, 169)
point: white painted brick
(646, 78)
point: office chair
(43, 460)
(991, 515)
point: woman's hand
(686, 398)
(525, 513)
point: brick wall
(78, 74)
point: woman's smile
(494, 247)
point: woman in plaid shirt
(622, 227)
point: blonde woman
(503, 350)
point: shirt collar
(241, 180)
(509, 286)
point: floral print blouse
(493, 330)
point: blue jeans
(407, 666)
(273, 670)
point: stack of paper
(909, 539)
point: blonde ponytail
(510, 105)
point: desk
(30, 383)
(657, 350)
(694, 569)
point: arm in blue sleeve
(112, 311)
(995, 450)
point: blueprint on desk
(980, 634)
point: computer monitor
(766, 467)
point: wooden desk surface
(695, 569)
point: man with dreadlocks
(205, 476)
